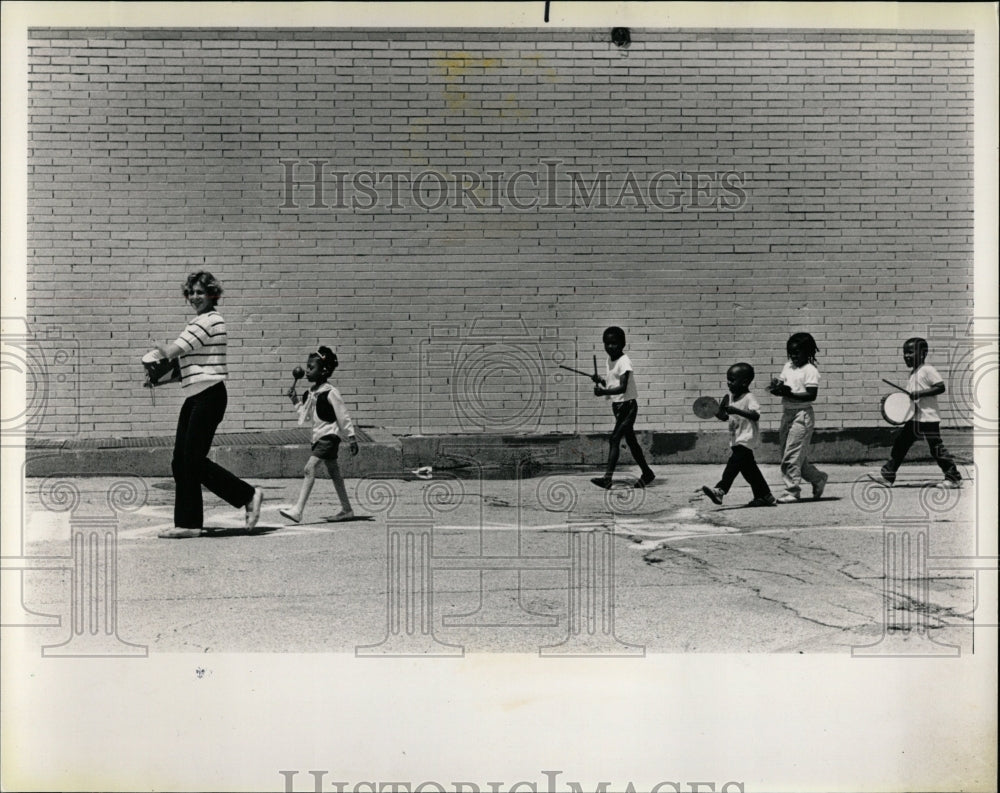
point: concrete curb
(490, 456)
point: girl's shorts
(326, 448)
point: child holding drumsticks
(923, 387)
(619, 384)
(331, 423)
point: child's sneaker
(602, 481)
(290, 514)
(820, 486)
(883, 477)
(645, 479)
(714, 493)
(345, 514)
(764, 501)
(788, 498)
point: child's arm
(786, 392)
(753, 415)
(343, 417)
(934, 390)
(601, 391)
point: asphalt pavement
(549, 565)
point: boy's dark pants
(931, 430)
(741, 461)
(625, 413)
(199, 417)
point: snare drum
(897, 408)
(160, 370)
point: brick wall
(755, 184)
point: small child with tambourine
(742, 410)
(923, 387)
(323, 405)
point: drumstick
(571, 369)
(899, 387)
(152, 391)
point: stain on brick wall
(456, 212)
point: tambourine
(706, 407)
(897, 408)
(160, 370)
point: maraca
(298, 372)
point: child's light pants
(796, 431)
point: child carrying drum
(923, 386)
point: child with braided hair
(798, 385)
(323, 404)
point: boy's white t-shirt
(925, 408)
(797, 379)
(743, 431)
(613, 378)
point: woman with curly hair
(201, 351)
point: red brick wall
(758, 183)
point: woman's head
(202, 291)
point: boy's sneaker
(764, 501)
(602, 481)
(645, 479)
(788, 498)
(820, 486)
(714, 493)
(883, 477)
(952, 484)
(344, 514)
